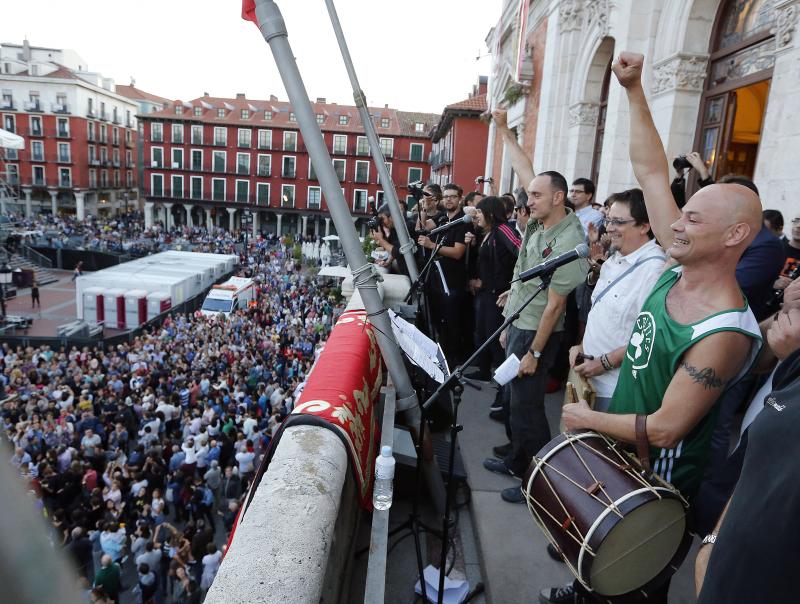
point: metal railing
(32, 255)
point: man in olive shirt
(535, 336)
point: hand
(589, 368)
(698, 164)
(594, 233)
(628, 69)
(574, 416)
(500, 117)
(781, 283)
(527, 365)
(425, 242)
(597, 252)
(503, 298)
(573, 352)
(783, 335)
(503, 338)
(475, 285)
(791, 296)
(469, 238)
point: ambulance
(236, 293)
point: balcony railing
(7, 104)
(103, 116)
(60, 108)
(33, 106)
(440, 158)
(65, 183)
(91, 112)
(288, 174)
(62, 134)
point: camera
(374, 223)
(415, 190)
(481, 179)
(681, 163)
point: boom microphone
(549, 266)
(466, 219)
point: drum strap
(642, 442)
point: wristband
(606, 362)
(709, 539)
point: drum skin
(619, 531)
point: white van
(228, 297)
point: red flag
(249, 11)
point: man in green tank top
(694, 334)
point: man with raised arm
(694, 334)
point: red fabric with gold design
(343, 389)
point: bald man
(694, 335)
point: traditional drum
(619, 529)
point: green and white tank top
(654, 351)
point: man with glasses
(621, 285)
(581, 195)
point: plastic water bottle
(384, 475)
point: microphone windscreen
(583, 250)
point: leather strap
(642, 442)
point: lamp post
(247, 218)
(125, 199)
(5, 279)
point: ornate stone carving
(785, 24)
(680, 72)
(596, 12)
(583, 114)
(569, 15)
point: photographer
(383, 232)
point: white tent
(9, 140)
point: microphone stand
(455, 383)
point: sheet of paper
(507, 371)
(441, 276)
(455, 590)
(422, 351)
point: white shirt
(245, 459)
(611, 319)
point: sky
(415, 55)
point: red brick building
(80, 135)
(459, 141)
(209, 160)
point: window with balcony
(384, 122)
(312, 174)
(387, 147)
(156, 157)
(128, 138)
(388, 167)
(115, 116)
(103, 155)
(177, 134)
(103, 178)
(92, 155)
(10, 123)
(116, 178)
(289, 165)
(414, 174)
(36, 125)
(115, 136)
(62, 127)
(196, 184)
(8, 100)
(12, 174)
(129, 179)
(243, 163)
(38, 176)
(90, 108)
(218, 189)
(362, 146)
(128, 119)
(245, 137)
(287, 196)
(340, 167)
(197, 160)
(197, 134)
(157, 132)
(177, 159)
(379, 198)
(218, 161)
(339, 144)
(362, 171)
(64, 177)
(37, 151)
(115, 157)
(157, 185)
(103, 133)
(220, 136)
(92, 178)
(416, 152)
(265, 139)
(360, 200)
(61, 103)
(128, 158)
(12, 154)
(63, 153)
(314, 198)
(289, 140)
(264, 165)
(34, 104)
(177, 186)
(242, 191)
(262, 193)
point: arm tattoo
(705, 377)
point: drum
(618, 529)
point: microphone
(466, 219)
(549, 266)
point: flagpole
(407, 247)
(273, 28)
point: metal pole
(407, 246)
(273, 28)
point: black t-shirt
(497, 257)
(756, 556)
(792, 263)
(455, 271)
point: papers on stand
(455, 590)
(423, 352)
(507, 371)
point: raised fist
(500, 117)
(628, 68)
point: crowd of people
(685, 314)
(140, 454)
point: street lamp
(5, 279)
